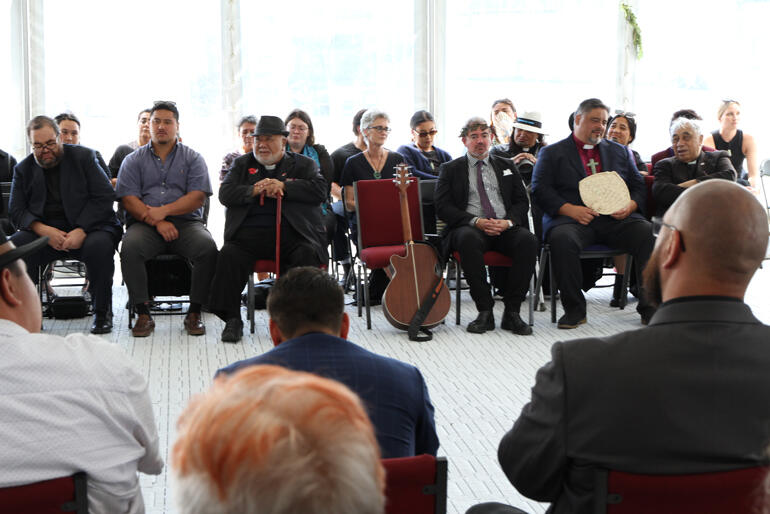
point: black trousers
(633, 235)
(517, 243)
(236, 262)
(97, 253)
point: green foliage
(636, 32)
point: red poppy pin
(252, 171)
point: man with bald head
(687, 394)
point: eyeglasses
(49, 145)
(426, 134)
(658, 223)
(625, 114)
(379, 128)
(294, 128)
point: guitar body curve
(413, 277)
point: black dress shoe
(512, 321)
(483, 322)
(102, 323)
(233, 330)
(571, 320)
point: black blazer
(669, 172)
(451, 197)
(301, 205)
(687, 394)
(87, 195)
(559, 169)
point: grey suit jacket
(670, 172)
(687, 394)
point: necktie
(486, 205)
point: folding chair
(66, 494)
(598, 251)
(417, 485)
(380, 235)
(721, 492)
(764, 171)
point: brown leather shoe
(144, 326)
(194, 324)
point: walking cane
(277, 231)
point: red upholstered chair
(380, 234)
(66, 494)
(416, 485)
(725, 492)
(491, 258)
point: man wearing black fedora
(250, 191)
(80, 392)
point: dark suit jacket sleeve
(235, 189)
(425, 430)
(306, 184)
(445, 199)
(98, 209)
(665, 189)
(723, 168)
(533, 454)
(18, 205)
(519, 208)
(543, 179)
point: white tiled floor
(478, 383)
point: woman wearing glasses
(621, 128)
(376, 161)
(421, 155)
(739, 145)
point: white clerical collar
(588, 147)
(269, 167)
(693, 162)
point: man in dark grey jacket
(250, 192)
(688, 394)
(690, 165)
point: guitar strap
(415, 326)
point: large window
(545, 56)
(694, 58)
(331, 61)
(12, 85)
(105, 64)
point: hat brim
(529, 128)
(22, 251)
(284, 133)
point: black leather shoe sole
(568, 322)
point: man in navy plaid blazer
(309, 327)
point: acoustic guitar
(415, 277)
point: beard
(651, 286)
(51, 162)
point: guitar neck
(406, 223)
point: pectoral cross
(592, 164)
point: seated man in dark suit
(686, 395)
(482, 200)
(249, 192)
(689, 166)
(309, 324)
(669, 152)
(60, 191)
(568, 225)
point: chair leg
(540, 272)
(359, 292)
(457, 292)
(250, 302)
(552, 284)
(365, 286)
(626, 278)
(532, 299)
